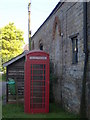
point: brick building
(65, 36)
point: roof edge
(15, 59)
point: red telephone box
(36, 82)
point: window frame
(74, 50)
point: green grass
(14, 111)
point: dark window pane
(41, 46)
(74, 50)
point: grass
(14, 111)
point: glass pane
(74, 50)
(37, 86)
(37, 77)
(36, 66)
(36, 83)
(37, 72)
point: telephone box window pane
(36, 66)
(37, 77)
(31, 77)
(36, 83)
(37, 72)
(37, 99)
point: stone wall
(55, 34)
(88, 60)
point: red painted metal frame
(27, 84)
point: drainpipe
(83, 96)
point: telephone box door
(37, 78)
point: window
(33, 45)
(41, 46)
(74, 50)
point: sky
(17, 11)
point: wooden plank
(6, 84)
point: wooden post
(6, 85)
(16, 91)
(29, 5)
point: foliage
(11, 42)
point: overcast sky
(17, 11)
